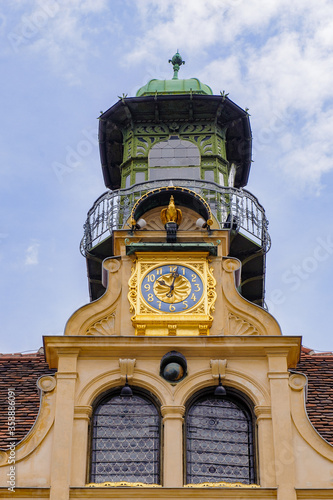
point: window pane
(219, 442)
(125, 445)
(174, 173)
(174, 152)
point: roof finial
(176, 61)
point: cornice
(314, 493)
(224, 347)
(174, 493)
(25, 493)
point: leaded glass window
(125, 441)
(219, 441)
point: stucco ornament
(105, 326)
(112, 265)
(239, 326)
(297, 381)
(230, 265)
(241, 317)
(46, 383)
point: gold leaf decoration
(144, 267)
(199, 266)
(144, 309)
(132, 289)
(122, 483)
(211, 293)
(222, 484)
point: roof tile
(20, 373)
(318, 367)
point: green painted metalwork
(208, 137)
(176, 61)
(175, 86)
(229, 206)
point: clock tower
(177, 141)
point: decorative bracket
(172, 329)
(126, 368)
(218, 367)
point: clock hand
(162, 282)
(175, 274)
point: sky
(62, 62)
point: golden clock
(172, 288)
(172, 295)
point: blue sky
(63, 62)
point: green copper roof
(174, 86)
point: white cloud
(32, 254)
(59, 30)
(310, 154)
(199, 24)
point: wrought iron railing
(234, 208)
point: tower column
(63, 425)
(82, 415)
(284, 457)
(265, 447)
(173, 445)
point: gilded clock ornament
(173, 294)
(172, 288)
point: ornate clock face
(172, 288)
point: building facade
(174, 381)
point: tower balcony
(233, 209)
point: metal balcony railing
(234, 209)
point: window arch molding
(108, 381)
(125, 438)
(251, 389)
(220, 438)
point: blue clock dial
(172, 288)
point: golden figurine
(171, 214)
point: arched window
(219, 440)
(126, 440)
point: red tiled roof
(20, 372)
(318, 367)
